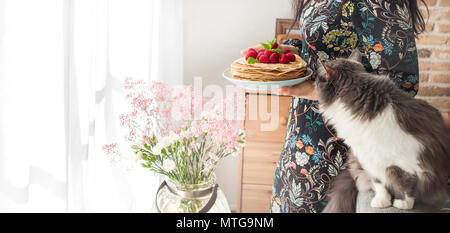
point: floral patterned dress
(313, 155)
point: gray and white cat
(400, 145)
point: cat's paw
(406, 204)
(380, 202)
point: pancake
(240, 69)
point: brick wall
(434, 55)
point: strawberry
(251, 54)
(284, 59)
(264, 59)
(286, 51)
(274, 58)
(251, 49)
(275, 45)
(291, 57)
(268, 53)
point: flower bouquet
(181, 136)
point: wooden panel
(259, 162)
(265, 133)
(241, 165)
(256, 198)
(266, 117)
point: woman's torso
(313, 154)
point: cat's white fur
(378, 144)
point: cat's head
(336, 76)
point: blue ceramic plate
(271, 85)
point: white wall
(214, 33)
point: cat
(399, 145)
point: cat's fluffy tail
(342, 194)
(344, 188)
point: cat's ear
(356, 56)
(326, 72)
(330, 71)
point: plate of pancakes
(261, 76)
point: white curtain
(62, 63)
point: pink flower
(110, 149)
(207, 166)
(213, 157)
(156, 110)
(193, 145)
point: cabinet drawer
(259, 162)
(256, 198)
(266, 117)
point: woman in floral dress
(384, 31)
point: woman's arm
(305, 90)
(382, 55)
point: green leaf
(270, 43)
(266, 46)
(252, 60)
(277, 51)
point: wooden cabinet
(265, 127)
(256, 198)
(266, 119)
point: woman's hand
(305, 90)
(446, 117)
(291, 48)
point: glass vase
(173, 197)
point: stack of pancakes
(261, 72)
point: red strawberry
(264, 59)
(274, 58)
(284, 59)
(291, 57)
(275, 46)
(286, 51)
(268, 53)
(251, 54)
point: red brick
(444, 28)
(440, 78)
(444, 3)
(435, 15)
(440, 15)
(434, 66)
(439, 103)
(445, 54)
(434, 91)
(426, 39)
